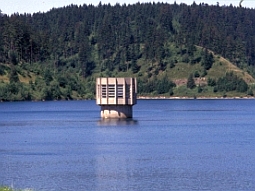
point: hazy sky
(32, 6)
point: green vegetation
(5, 189)
(10, 189)
(173, 50)
(191, 82)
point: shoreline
(183, 98)
(146, 98)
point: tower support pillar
(116, 111)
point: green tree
(87, 65)
(67, 93)
(2, 70)
(134, 67)
(211, 82)
(48, 76)
(199, 89)
(250, 92)
(47, 94)
(242, 86)
(13, 57)
(231, 82)
(25, 93)
(207, 60)
(196, 74)
(191, 82)
(14, 75)
(55, 90)
(164, 85)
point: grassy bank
(4, 188)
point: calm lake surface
(168, 145)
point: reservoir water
(168, 145)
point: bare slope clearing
(243, 74)
(221, 66)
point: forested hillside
(173, 50)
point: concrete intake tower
(116, 96)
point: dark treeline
(228, 31)
(101, 32)
(117, 31)
(86, 39)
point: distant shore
(147, 98)
(173, 98)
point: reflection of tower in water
(117, 122)
(115, 159)
(116, 96)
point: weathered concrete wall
(116, 111)
(116, 91)
(116, 96)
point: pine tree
(191, 82)
(207, 60)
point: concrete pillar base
(116, 111)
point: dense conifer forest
(173, 50)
